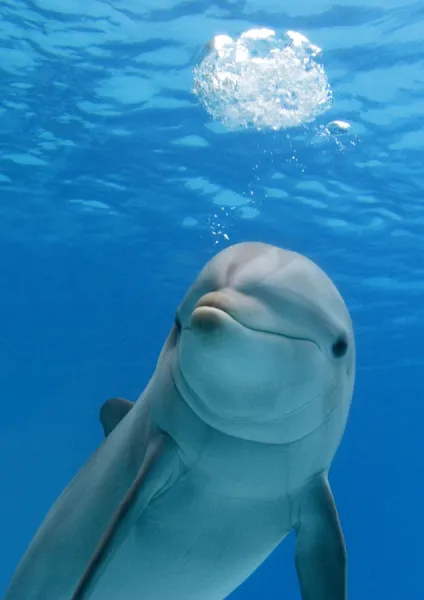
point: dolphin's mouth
(218, 306)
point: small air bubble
(337, 127)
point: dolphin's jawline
(266, 331)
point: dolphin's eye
(339, 347)
(177, 323)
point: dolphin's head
(264, 347)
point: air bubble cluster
(262, 81)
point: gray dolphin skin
(225, 452)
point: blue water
(116, 187)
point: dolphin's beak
(211, 311)
(215, 300)
(207, 319)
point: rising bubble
(262, 81)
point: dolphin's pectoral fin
(320, 547)
(158, 472)
(112, 412)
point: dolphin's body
(225, 452)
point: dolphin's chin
(202, 408)
(281, 427)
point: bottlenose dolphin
(224, 453)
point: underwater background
(116, 186)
